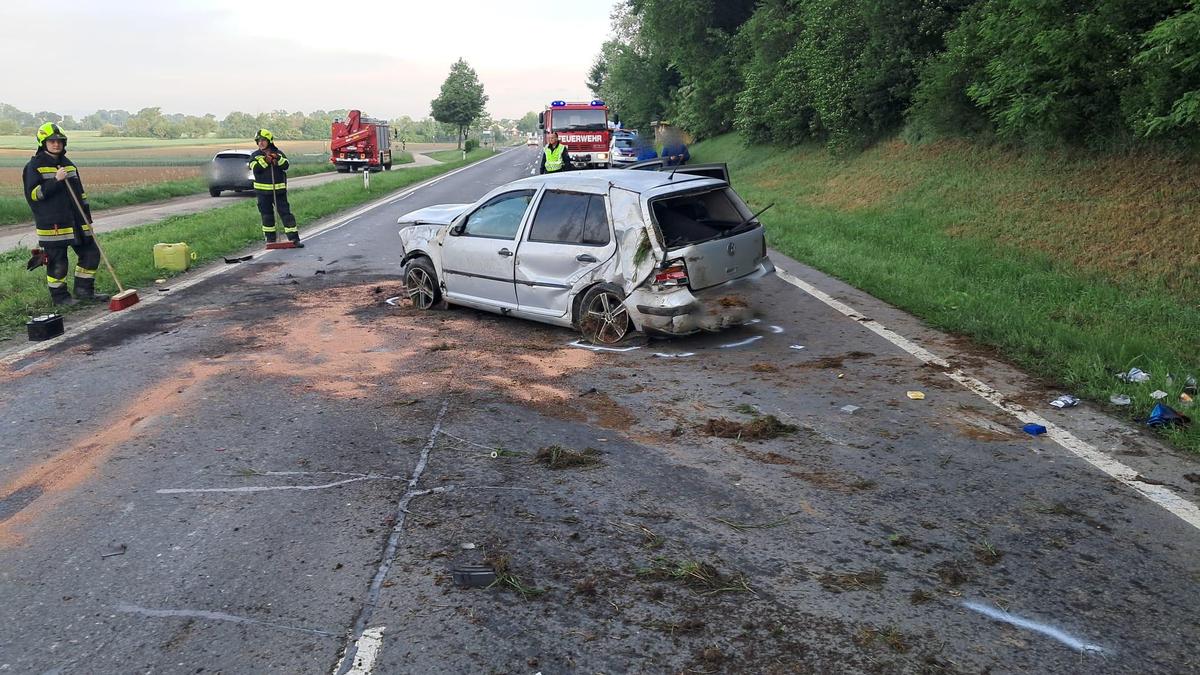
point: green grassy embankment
(1073, 268)
(211, 234)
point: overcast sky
(215, 56)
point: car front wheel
(420, 283)
(603, 319)
(214, 192)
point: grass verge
(445, 155)
(211, 234)
(1074, 268)
(15, 210)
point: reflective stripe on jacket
(48, 199)
(554, 158)
(262, 170)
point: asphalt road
(107, 220)
(260, 471)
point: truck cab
(583, 128)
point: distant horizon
(192, 57)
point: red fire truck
(583, 128)
(359, 143)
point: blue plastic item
(1165, 416)
(1034, 429)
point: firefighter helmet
(264, 135)
(50, 132)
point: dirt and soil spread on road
(703, 505)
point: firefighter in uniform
(59, 223)
(555, 157)
(270, 167)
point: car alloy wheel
(420, 288)
(605, 319)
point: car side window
(570, 218)
(500, 217)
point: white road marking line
(393, 543)
(105, 319)
(271, 488)
(367, 650)
(1021, 622)
(597, 348)
(1182, 508)
(741, 343)
(215, 616)
(678, 355)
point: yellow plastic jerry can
(174, 257)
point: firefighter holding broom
(49, 180)
(270, 167)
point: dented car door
(478, 254)
(569, 237)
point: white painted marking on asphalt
(775, 329)
(271, 488)
(367, 650)
(215, 616)
(1182, 508)
(389, 551)
(105, 319)
(1021, 622)
(597, 348)
(677, 355)
(741, 343)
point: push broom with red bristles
(125, 297)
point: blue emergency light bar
(597, 102)
(557, 104)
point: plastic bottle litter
(1134, 375)
(1065, 401)
(1119, 399)
(1034, 429)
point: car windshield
(233, 155)
(698, 216)
(579, 120)
(624, 142)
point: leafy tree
(461, 99)
(1167, 101)
(528, 121)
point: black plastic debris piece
(231, 261)
(115, 549)
(474, 576)
(318, 272)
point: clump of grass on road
(558, 457)
(211, 234)
(1074, 268)
(757, 429)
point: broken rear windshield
(698, 216)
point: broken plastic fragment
(1158, 394)
(797, 347)
(1065, 401)
(1034, 429)
(850, 409)
(917, 395)
(1134, 375)
(1165, 416)
(1119, 399)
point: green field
(92, 140)
(1073, 268)
(211, 234)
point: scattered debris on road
(1134, 375)
(757, 429)
(558, 457)
(1065, 401)
(1034, 429)
(115, 549)
(916, 395)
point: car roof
(233, 151)
(598, 181)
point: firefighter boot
(62, 297)
(294, 237)
(270, 237)
(85, 290)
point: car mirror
(457, 229)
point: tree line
(1090, 73)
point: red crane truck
(360, 143)
(583, 128)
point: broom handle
(95, 240)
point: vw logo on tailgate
(732, 248)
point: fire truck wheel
(388, 166)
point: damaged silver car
(606, 252)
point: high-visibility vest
(554, 158)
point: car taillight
(674, 273)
